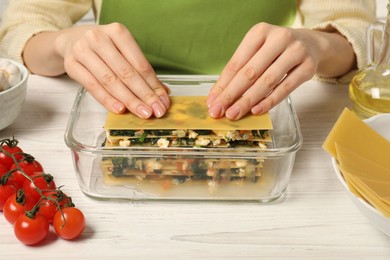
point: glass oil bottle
(369, 90)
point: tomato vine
(31, 200)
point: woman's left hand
(268, 65)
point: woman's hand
(108, 62)
(270, 63)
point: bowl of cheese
(13, 88)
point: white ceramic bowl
(381, 123)
(12, 99)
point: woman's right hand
(108, 62)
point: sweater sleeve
(350, 18)
(24, 18)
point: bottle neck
(384, 55)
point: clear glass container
(369, 90)
(85, 135)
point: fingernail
(210, 100)
(165, 101)
(233, 113)
(258, 109)
(118, 107)
(143, 111)
(216, 111)
(158, 110)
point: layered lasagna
(165, 138)
(192, 134)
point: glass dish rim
(74, 144)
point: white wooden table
(316, 220)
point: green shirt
(193, 36)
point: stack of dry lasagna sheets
(363, 157)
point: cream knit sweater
(24, 18)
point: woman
(260, 59)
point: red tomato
(3, 170)
(13, 208)
(40, 181)
(60, 197)
(70, 223)
(48, 209)
(55, 200)
(9, 147)
(7, 180)
(5, 192)
(31, 230)
(29, 166)
(29, 203)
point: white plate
(381, 123)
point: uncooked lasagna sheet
(187, 124)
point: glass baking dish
(263, 173)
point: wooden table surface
(315, 220)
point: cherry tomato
(6, 180)
(16, 205)
(5, 192)
(31, 230)
(55, 200)
(13, 207)
(12, 184)
(60, 197)
(29, 203)
(3, 170)
(29, 166)
(69, 223)
(10, 146)
(48, 209)
(40, 181)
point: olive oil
(369, 93)
(369, 90)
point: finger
(244, 80)
(128, 47)
(266, 83)
(107, 74)
(105, 87)
(167, 89)
(296, 77)
(250, 44)
(80, 74)
(127, 96)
